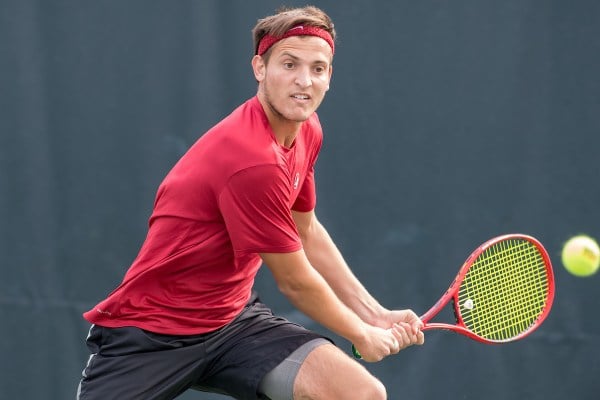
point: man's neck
(285, 131)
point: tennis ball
(581, 255)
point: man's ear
(258, 66)
(330, 75)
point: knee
(375, 390)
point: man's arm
(325, 257)
(309, 292)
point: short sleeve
(307, 197)
(255, 207)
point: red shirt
(227, 199)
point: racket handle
(356, 353)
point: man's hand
(377, 344)
(380, 343)
(405, 328)
(406, 324)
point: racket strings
(512, 308)
(507, 300)
(507, 288)
(517, 302)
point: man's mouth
(301, 96)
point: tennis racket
(503, 291)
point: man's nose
(303, 78)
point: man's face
(294, 81)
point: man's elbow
(292, 290)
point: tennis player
(185, 315)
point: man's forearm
(308, 291)
(326, 258)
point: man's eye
(288, 65)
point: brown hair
(287, 18)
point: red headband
(300, 30)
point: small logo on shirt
(296, 180)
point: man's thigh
(129, 363)
(278, 384)
(329, 373)
(265, 341)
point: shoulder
(247, 116)
(313, 124)
(241, 136)
(312, 133)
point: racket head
(503, 291)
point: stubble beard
(278, 114)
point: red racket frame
(452, 293)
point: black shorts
(130, 363)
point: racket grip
(356, 353)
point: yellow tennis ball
(581, 255)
